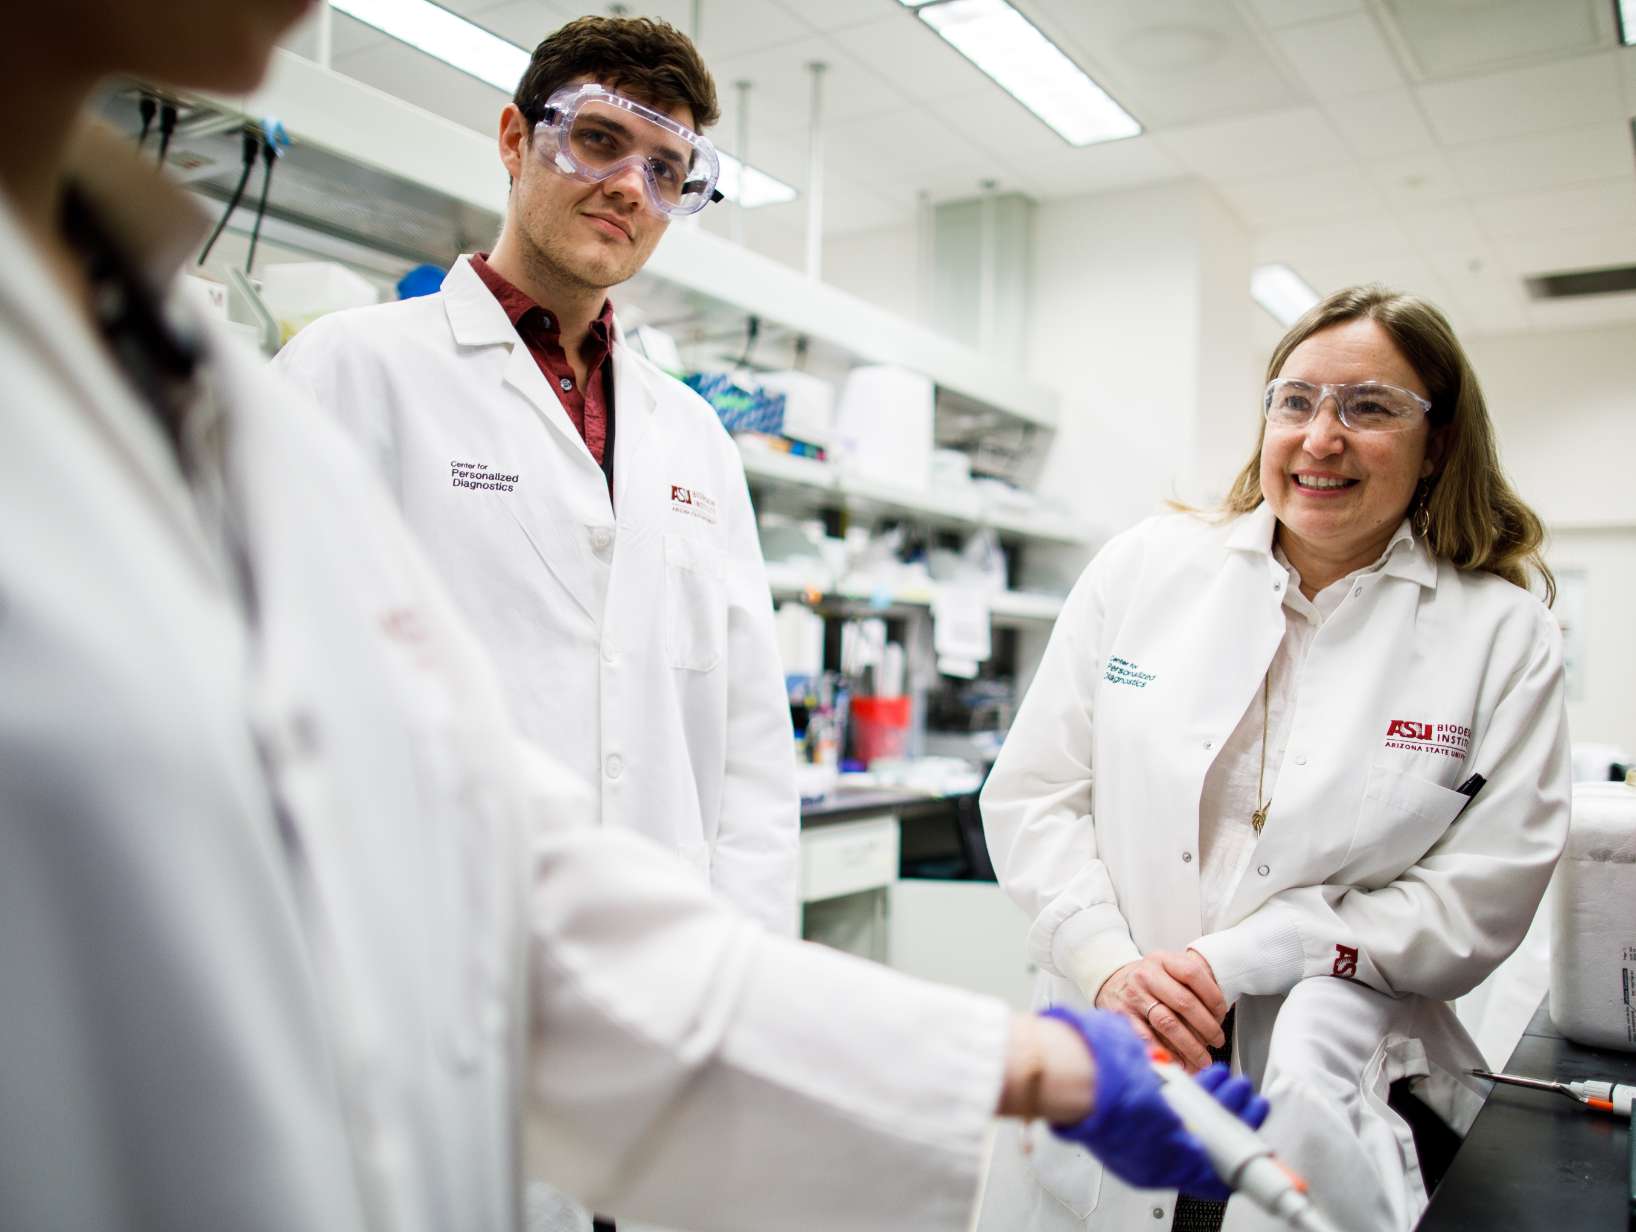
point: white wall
(1139, 325)
(879, 266)
(1564, 407)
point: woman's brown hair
(1467, 511)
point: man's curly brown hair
(650, 60)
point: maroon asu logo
(680, 496)
(1346, 962)
(1408, 729)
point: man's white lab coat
(635, 639)
(1423, 676)
(295, 933)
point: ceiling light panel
(1282, 292)
(1012, 51)
(444, 36)
(1627, 22)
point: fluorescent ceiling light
(759, 187)
(1625, 11)
(1282, 292)
(446, 36)
(1029, 67)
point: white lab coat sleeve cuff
(1260, 956)
(1086, 946)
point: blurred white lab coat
(1421, 677)
(638, 649)
(295, 933)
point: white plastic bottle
(1593, 919)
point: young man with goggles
(586, 508)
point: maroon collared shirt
(591, 408)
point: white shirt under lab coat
(635, 639)
(295, 933)
(1422, 676)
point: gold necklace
(1259, 817)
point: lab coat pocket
(1402, 817)
(695, 603)
(1066, 1171)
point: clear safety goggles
(1369, 407)
(591, 133)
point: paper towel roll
(1593, 920)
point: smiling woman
(1342, 472)
(1286, 823)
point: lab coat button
(1264, 870)
(601, 537)
(1300, 759)
(609, 656)
(1158, 1212)
(1207, 744)
(615, 765)
(1358, 593)
(1278, 586)
(1187, 857)
(566, 383)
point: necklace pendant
(1258, 819)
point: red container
(880, 727)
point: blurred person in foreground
(295, 932)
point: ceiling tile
(1446, 38)
(1341, 56)
(1315, 243)
(1316, 197)
(1379, 126)
(523, 22)
(1417, 181)
(838, 14)
(1444, 229)
(1292, 12)
(780, 78)
(1108, 167)
(1581, 312)
(1180, 62)
(1545, 160)
(1627, 70)
(1269, 143)
(1606, 206)
(1560, 251)
(1527, 100)
(906, 51)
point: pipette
(1611, 1097)
(1241, 1159)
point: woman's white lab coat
(1423, 676)
(296, 934)
(638, 649)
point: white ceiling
(1449, 146)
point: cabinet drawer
(847, 857)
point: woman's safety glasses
(591, 133)
(1370, 407)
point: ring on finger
(1147, 1014)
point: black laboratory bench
(1537, 1160)
(942, 836)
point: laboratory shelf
(1005, 607)
(825, 483)
(374, 169)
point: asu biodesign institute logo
(1414, 736)
(693, 503)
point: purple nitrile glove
(1132, 1130)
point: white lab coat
(295, 933)
(638, 649)
(1092, 810)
